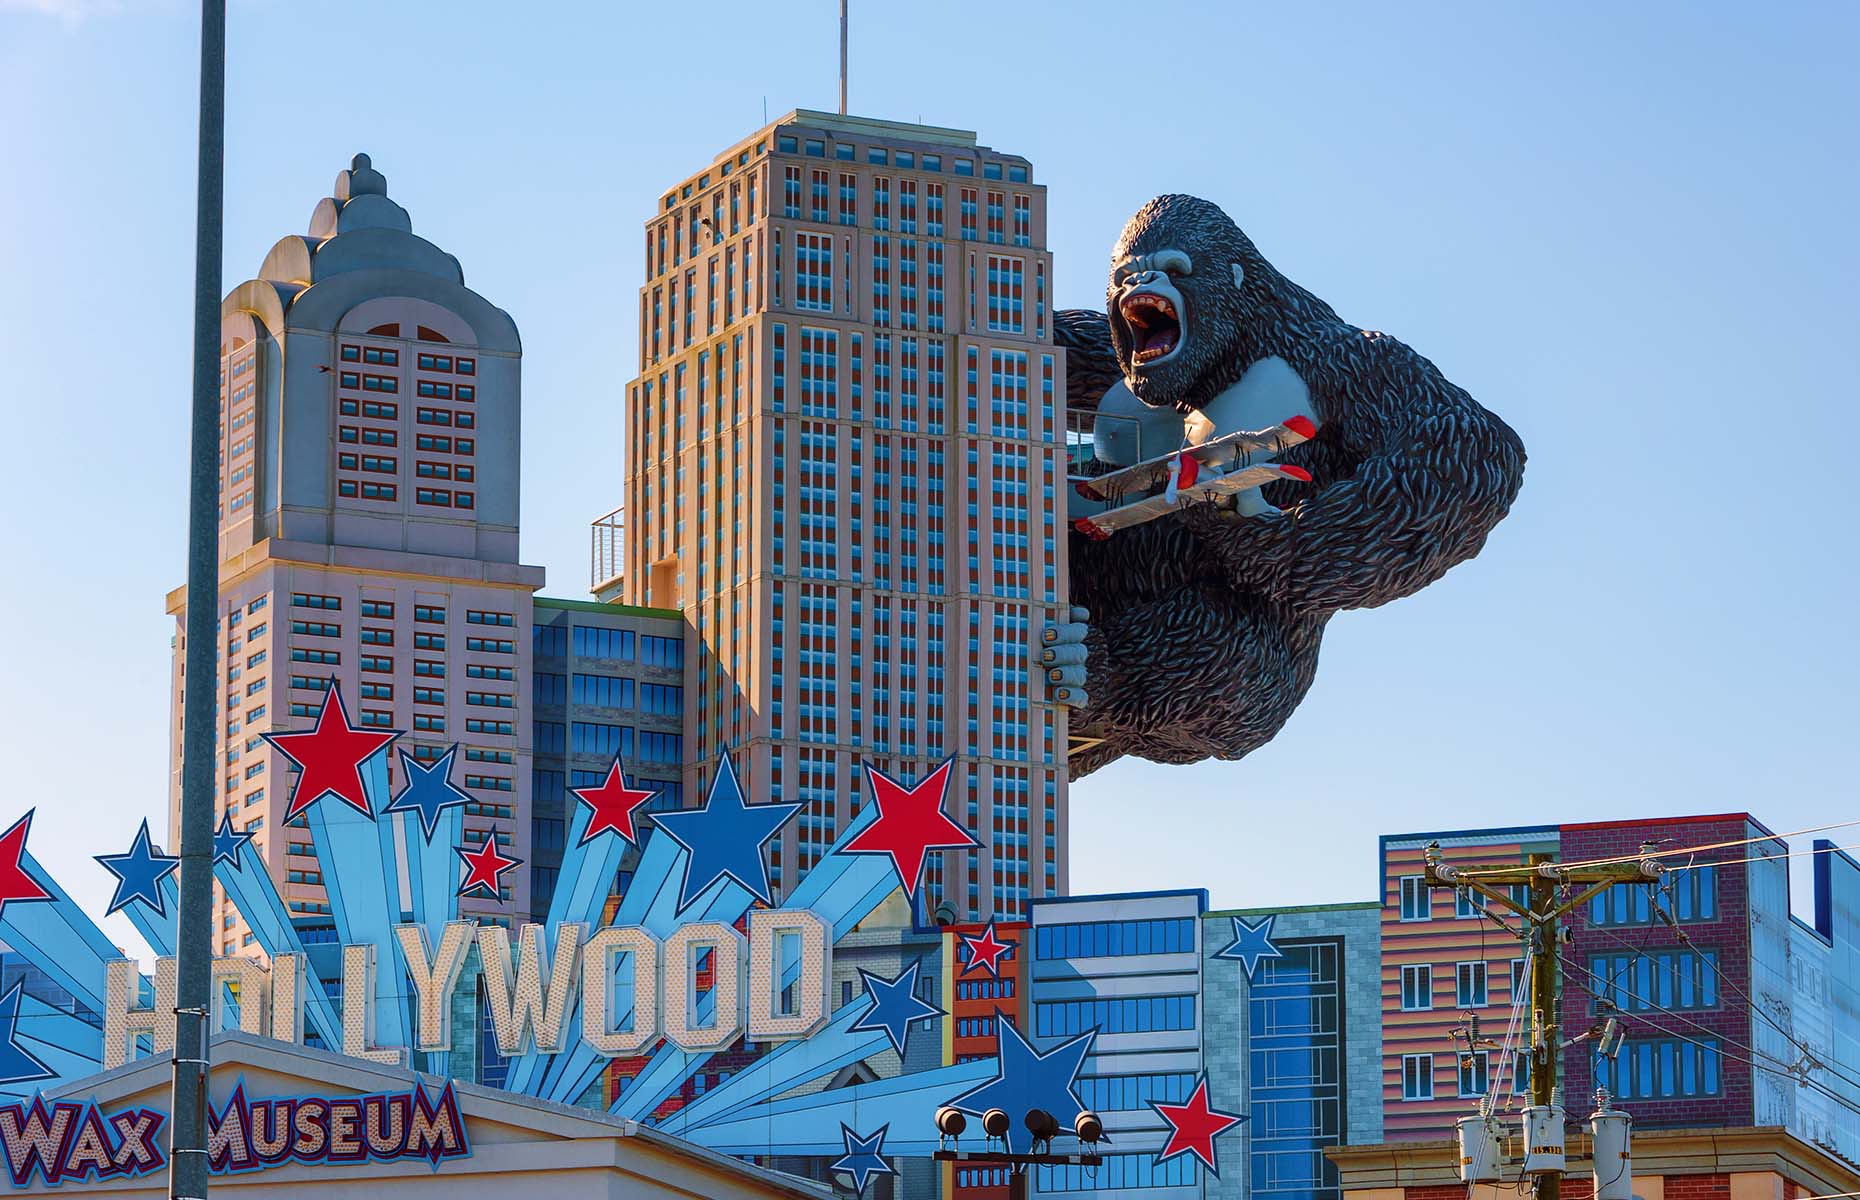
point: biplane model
(1233, 465)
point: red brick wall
(1698, 1187)
(1728, 934)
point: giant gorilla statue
(1201, 628)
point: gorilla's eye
(1175, 262)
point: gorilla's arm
(1432, 473)
(1091, 360)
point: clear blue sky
(1629, 229)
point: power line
(1628, 858)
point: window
(1466, 903)
(1417, 902)
(1662, 1068)
(304, 600)
(592, 641)
(813, 272)
(1124, 1014)
(1475, 1073)
(476, 617)
(1006, 291)
(1417, 1077)
(1469, 985)
(1689, 895)
(1417, 988)
(1667, 979)
(1100, 939)
(603, 691)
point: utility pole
(1541, 917)
(187, 1160)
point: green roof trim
(595, 606)
(1347, 906)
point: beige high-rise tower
(845, 466)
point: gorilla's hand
(1061, 656)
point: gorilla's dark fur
(1205, 625)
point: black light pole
(187, 1163)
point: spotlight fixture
(950, 1123)
(1042, 1125)
(1088, 1127)
(995, 1122)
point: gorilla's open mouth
(1155, 326)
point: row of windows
(1470, 986)
(906, 159)
(1124, 1014)
(1116, 1093)
(985, 989)
(1110, 938)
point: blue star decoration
(895, 1004)
(139, 873)
(723, 840)
(864, 1156)
(17, 1064)
(1252, 945)
(1027, 1079)
(429, 791)
(227, 844)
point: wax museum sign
(74, 1142)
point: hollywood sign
(633, 988)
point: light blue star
(1027, 1079)
(1251, 945)
(227, 844)
(17, 1064)
(895, 1004)
(139, 873)
(723, 840)
(864, 1157)
(429, 791)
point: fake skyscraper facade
(368, 532)
(845, 459)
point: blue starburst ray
(57, 937)
(571, 1072)
(162, 931)
(587, 872)
(65, 1045)
(810, 1125)
(255, 894)
(789, 1065)
(366, 905)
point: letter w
(520, 1004)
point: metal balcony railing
(604, 546)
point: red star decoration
(1194, 1126)
(485, 867)
(985, 951)
(613, 804)
(910, 824)
(330, 757)
(15, 883)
